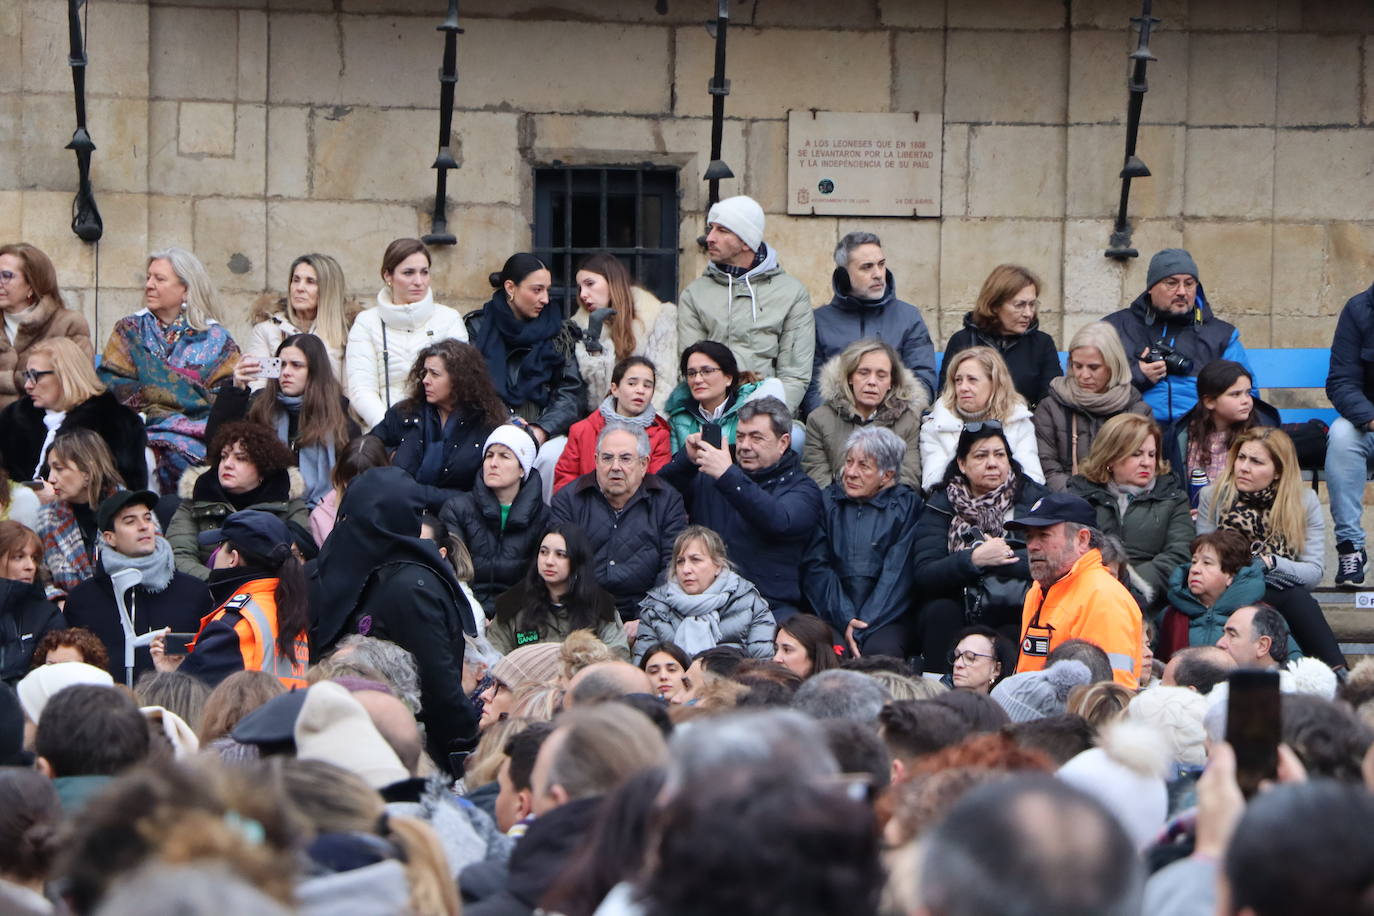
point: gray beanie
(1039, 694)
(1168, 262)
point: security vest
(256, 604)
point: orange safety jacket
(1091, 604)
(256, 604)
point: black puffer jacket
(118, 426)
(566, 403)
(1032, 357)
(403, 428)
(500, 556)
(25, 618)
(632, 551)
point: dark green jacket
(1157, 529)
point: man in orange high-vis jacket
(1074, 595)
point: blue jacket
(848, 318)
(1350, 381)
(766, 518)
(858, 564)
(1200, 336)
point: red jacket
(580, 455)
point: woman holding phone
(713, 389)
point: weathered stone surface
(242, 175)
(1256, 331)
(1169, 78)
(354, 233)
(118, 63)
(1338, 190)
(912, 249)
(812, 14)
(1016, 171)
(914, 14)
(1230, 173)
(765, 177)
(392, 61)
(971, 248)
(11, 214)
(1317, 79)
(118, 126)
(1299, 270)
(772, 72)
(682, 142)
(12, 146)
(11, 33)
(1302, 332)
(1098, 70)
(1367, 109)
(1236, 262)
(1092, 282)
(1116, 14)
(805, 247)
(231, 240)
(562, 70)
(288, 151)
(1149, 236)
(169, 224)
(1233, 15)
(919, 81)
(1008, 14)
(194, 53)
(393, 169)
(954, 174)
(124, 246)
(989, 76)
(578, 10)
(1349, 263)
(1232, 79)
(487, 235)
(252, 57)
(305, 59)
(1096, 153)
(1337, 15)
(47, 220)
(205, 128)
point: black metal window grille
(629, 211)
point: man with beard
(1074, 595)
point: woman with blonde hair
(640, 325)
(81, 474)
(165, 360)
(314, 304)
(865, 385)
(1127, 481)
(977, 388)
(1004, 318)
(1261, 496)
(705, 603)
(1096, 388)
(63, 393)
(33, 311)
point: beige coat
(829, 426)
(49, 318)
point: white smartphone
(269, 367)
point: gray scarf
(157, 567)
(316, 461)
(643, 421)
(699, 626)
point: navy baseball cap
(1054, 509)
(252, 531)
(116, 502)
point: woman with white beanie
(501, 518)
(384, 339)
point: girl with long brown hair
(640, 326)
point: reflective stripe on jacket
(256, 605)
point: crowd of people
(396, 609)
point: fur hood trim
(186, 487)
(906, 392)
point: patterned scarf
(1248, 515)
(986, 514)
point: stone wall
(253, 130)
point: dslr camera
(1174, 362)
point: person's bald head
(605, 681)
(395, 723)
(1198, 668)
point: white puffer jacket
(940, 440)
(377, 363)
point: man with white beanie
(747, 302)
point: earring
(184, 306)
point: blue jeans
(1349, 452)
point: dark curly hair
(93, 651)
(468, 378)
(269, 454)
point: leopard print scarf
(986, 513)
(1249, 516)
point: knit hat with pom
(1037, 694)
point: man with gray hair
(865, 304)
(856, 571)
(840, 694)
(1256, 636)
(1074, 596)
(762, 504)
(630, 517)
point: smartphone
(269, 367)
(33, 484)
(1253, 727)
(175, 643)
(710, 434)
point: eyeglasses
(968, 656)
(979, 425)
(613, 460)
(703, 372)
(7, 276)
(1173, 283)
(1024, 305)
(31, 376)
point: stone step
(1353, 626)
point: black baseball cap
(253, 531)
(1054, 509)
(273, 724)
(116, 503)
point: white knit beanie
(515, 439)
(741, 215)
(40, 684)
(1125, 773)
(1176, 713)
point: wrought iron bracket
(1132, 166)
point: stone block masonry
(254, 130)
